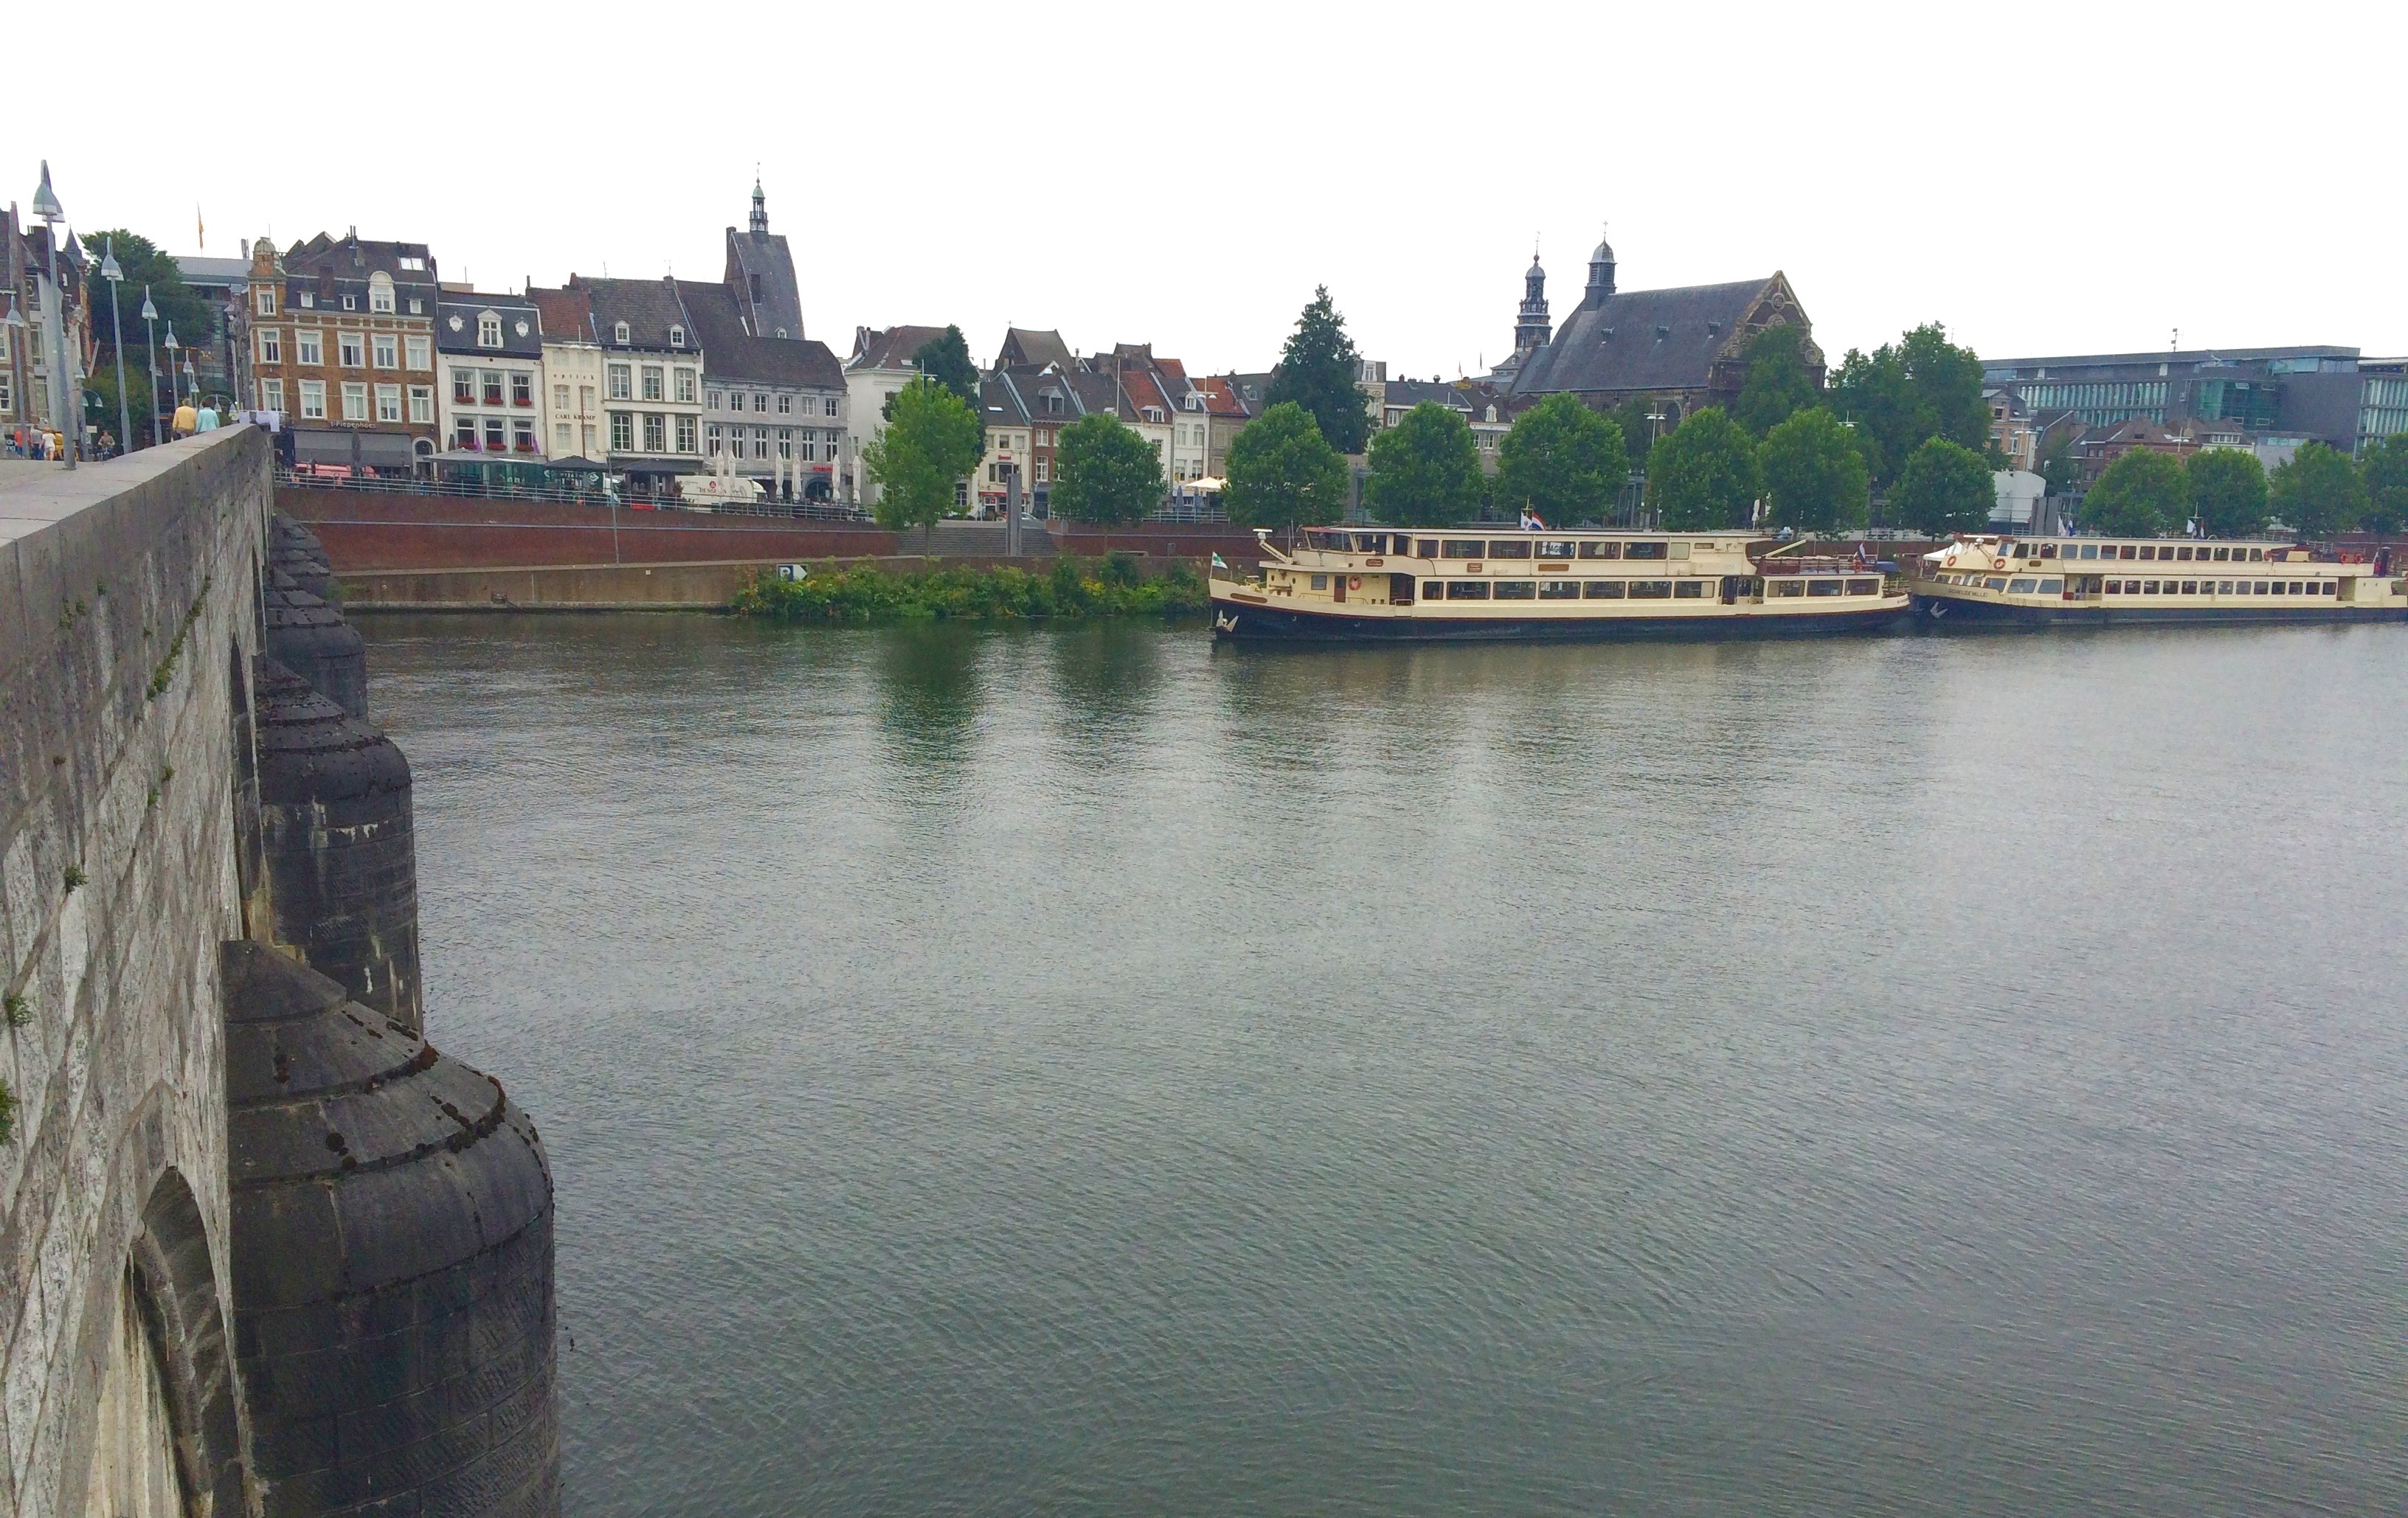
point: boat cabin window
(1681, 551)
(2257, 555)
(1371, 542)
(1466, 590)
(1509, 548)
(2048, 551)
(1424, 548)
(1553, 549)
(1433, 589)
(2222, 554)
(1600, 550)
(1603, 590)
(1786, 585)
(2052, 587)
(2020, 587)
(1321, 583)
(1559, 590)
(2149, 553)
(2131, 551)
(1689, 590)
(2090, 550)
(1872, 587)
(1651, 590)
(1643, 550)
(1820, 586)
(1517, 590)
(1465, 547)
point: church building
(1684, 347)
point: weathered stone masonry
(262, 1248)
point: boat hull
(1953, 612)
(1245, 620)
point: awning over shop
(344, 445)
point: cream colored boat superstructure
(2099, 581)
(1493, 583)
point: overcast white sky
(2043, 178)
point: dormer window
(308, 300)
(350, 303)
(489, 329)
(1153, 413)
(619, 333)
(676, 336)
(414, 263)
(380, 292)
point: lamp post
(114, 273)
(47, 207)
(171, 345)
(151, 351)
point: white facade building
(489, 349)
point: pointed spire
(760, 206)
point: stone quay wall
(128, 618)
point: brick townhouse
(342, 337)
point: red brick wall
(367, 531)
(1169, 540)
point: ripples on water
(1089, 1071)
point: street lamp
(171, 345)
(151, 351)
(47, 207)
(114, 273)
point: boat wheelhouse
(2099, 581)
(1488, 583)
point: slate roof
(760, 260)
(734, 355)
(891, 348)
(201, 272)
(331, 267)
(568, 315)
(455, 325)
(1028, 347)
(1642, 340)
(649, 306)
(1408, 393)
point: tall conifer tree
(1321, 371)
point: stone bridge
(263, 1250)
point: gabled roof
(760, 261)
(649, 306)
(1142, 390)
(352, 257)
(1220, 397)
(891, 348)
(1643, 340)
(734, 355)
(1028, 347)
(568, 315)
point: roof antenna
(2177, 347)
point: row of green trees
(2319, 492)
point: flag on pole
(200, 229)
(1219, 562)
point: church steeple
(1531, 326)
(1600, 274)
(760, 209)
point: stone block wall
(128, 618)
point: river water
(1089, 1071)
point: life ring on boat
(1353, 582)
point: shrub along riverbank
(1112, 587)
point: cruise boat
(2101, 581)
(1491, 583)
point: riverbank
(1114, 586)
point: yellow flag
(200, 230)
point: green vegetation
(2059, 466)
(1639, 435)
(2141, 495)
(932, 441)
(1563, 462)
(1921, 386)
(1106, 472)
(178, 302)
(164, 673)
(1424, 470)
(1778, 383)
(1704, 475)
(2385, 469)
(945, 359)
(1945, 488)
(2228, 492)
(75, 879)
(1815, 474)
(1282, 473)
(2318, 493)
(1320, 370)
(20, 1011)
(8, 1113)
(1115, 586)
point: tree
(2059, 466)
(1424, 470)
(1921, 386)
(1320, 371)
(2386, 472)
(1777, 382)
(1107, 473)
(145, 266)
(945, 358)
(1637, 433)
(1563, 462)
(2318, 493)
(931, 442)
(1815, 476)
(1704, 474)
(1945, 488)
(2226, 492)
(1282, 473)
(2141, 494)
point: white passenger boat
(1486, 583)
(2103, 581)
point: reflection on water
(1087, 1071)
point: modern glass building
(2325, 392)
